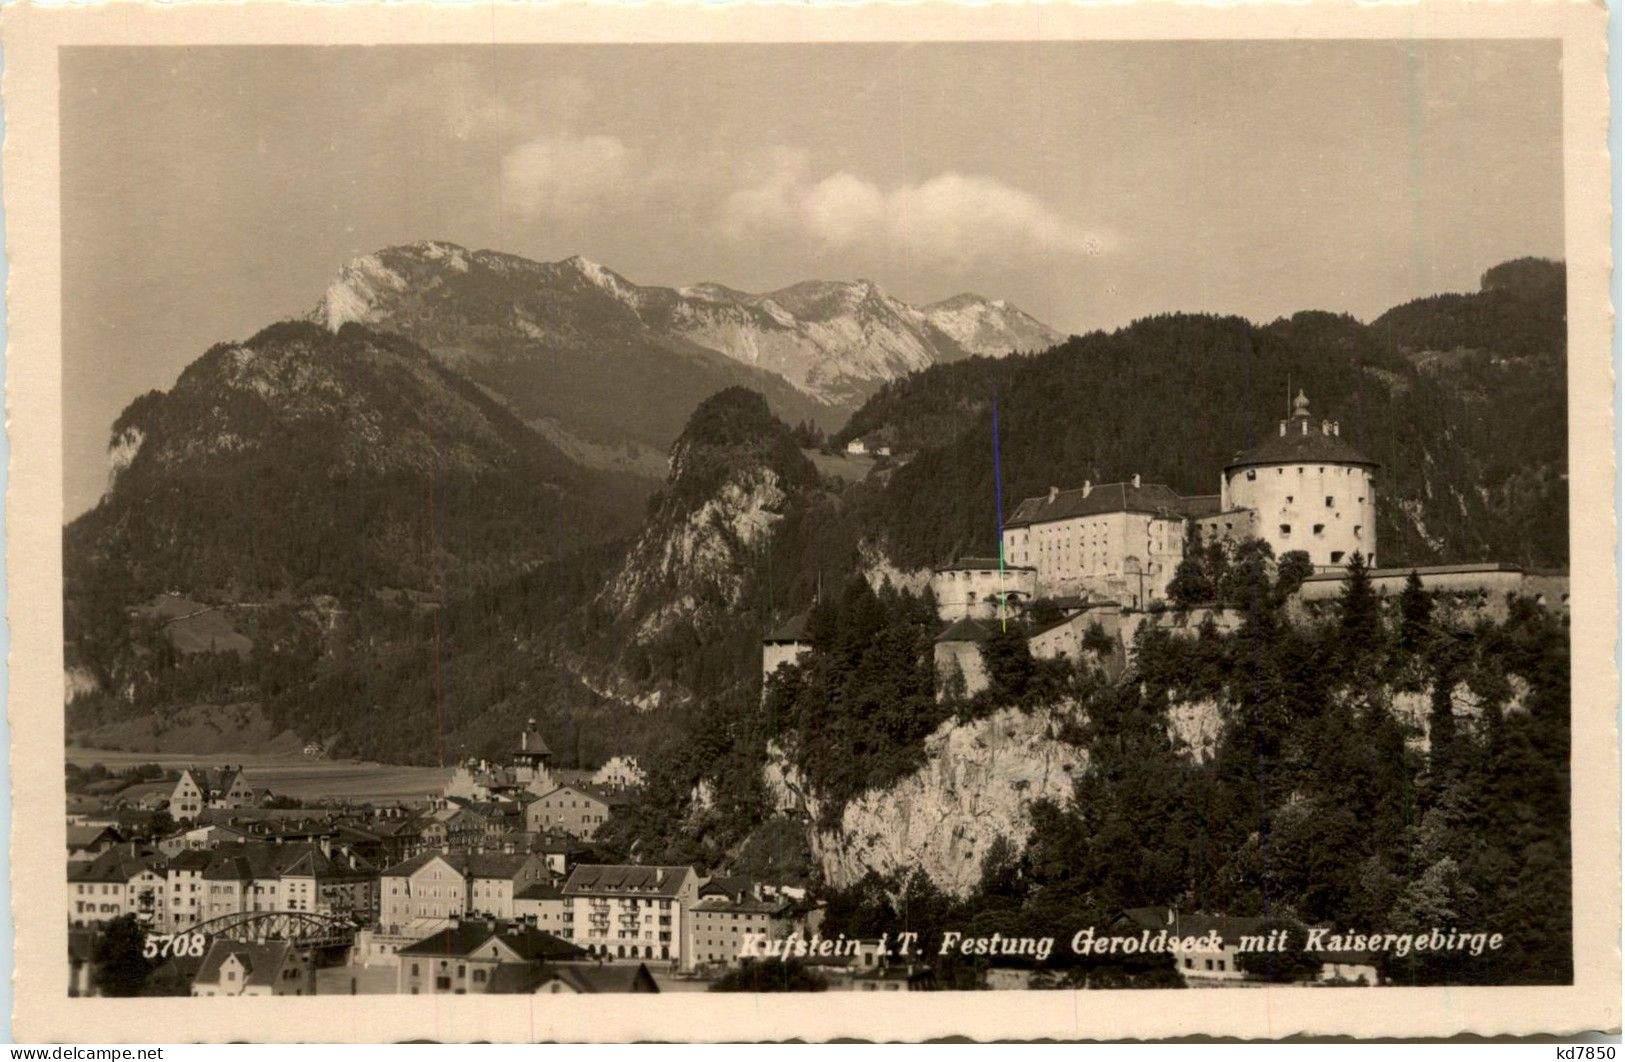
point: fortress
(1104, 555)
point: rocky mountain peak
(989, 327)
(735, 471)
(560, 341)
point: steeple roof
(530, 741)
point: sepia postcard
(826, 518)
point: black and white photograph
(794, 517)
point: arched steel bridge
(305, 928)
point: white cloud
(978, 217)
(563, 174)
(952, 217)
(549, 167)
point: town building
(577, 810)
(1208, 966)
(785, 644)
(445, 885)
(267, 877)
(632, 912)
(187, 904)
(541, 905)
(87, 842)
(202, 838)
(463, 959)
(495, 881)
(464, 828)
(579, 978)
(731, 915)
(127, 879)
(236, 968)
(198, 789)
(620, 772)
(429, 885)
(529, 774)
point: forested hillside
(1323, 804)
(400, 568)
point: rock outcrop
(979, 782)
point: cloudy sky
(208, 192)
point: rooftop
(1096, 500)
(624, 878)
(531, 945)
(1419, 569)
(966, 630)
(1301, 440)
(1229, 928)
(515, 979)
(793, 629)
(260, 961)
(981, 564)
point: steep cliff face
(691, 562)
(979, 782)
(1195, 727)
(879, 570)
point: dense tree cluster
(1314, 808)
(770, 975)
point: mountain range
(337, 495)
(610, 370)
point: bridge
(304, 928)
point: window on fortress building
(1252, 474)
(1286, 530)
(1289, 499)
(1329, 501)
(1320, 529)
(1337, 556)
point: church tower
(531, 760)
(1310, 490)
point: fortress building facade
(1303, 489)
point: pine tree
(1194, 582)
(1360, 618)
(1442, 722)
(1290, 572)
(1415, 613)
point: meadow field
(295, 776)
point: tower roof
(1300, 440)
(793, 630)
(531, 743)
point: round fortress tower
(1311, 491)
